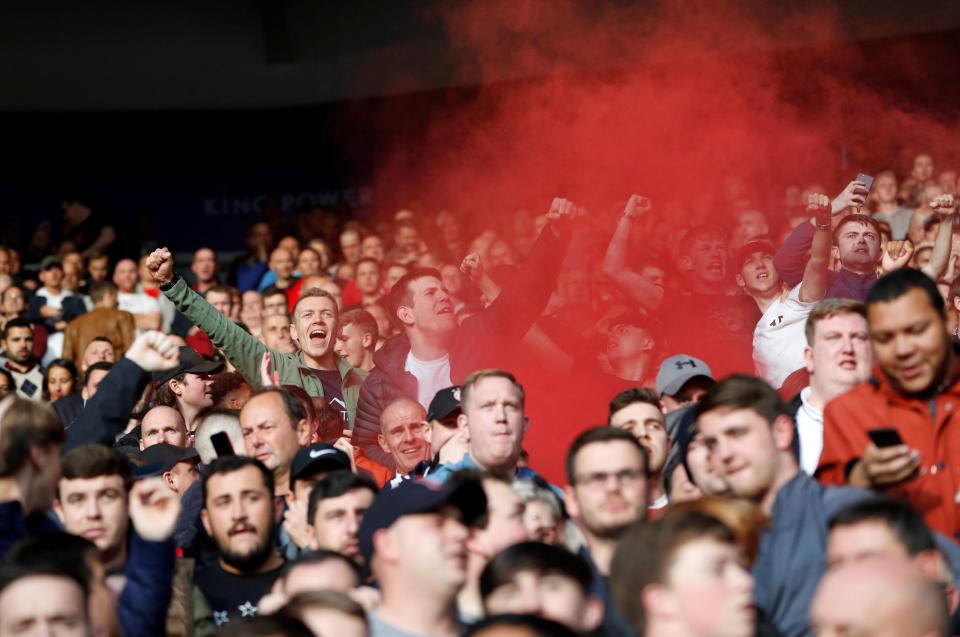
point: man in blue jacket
(749, 432)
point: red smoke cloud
(596, 100)
(606, 98)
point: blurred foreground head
(879, 597)
(683, 574)
(30, 439)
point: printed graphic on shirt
(247, 609)
(340, 406)
(28, 388)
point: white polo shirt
(778, 339)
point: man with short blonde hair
(493, 422)
(358, 338)
(838, 357)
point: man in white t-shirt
(145, 308)
(54, 306)
(778, 336)
(838, 358)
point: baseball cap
(49, 262)
(420, 496)
(677, 370)
(190, 363)
(754, 245)
(318, 457)
(162, 457)
(445, 402)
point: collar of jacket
(881, 381)
(786, 511)
(349, 374)
(392, 355)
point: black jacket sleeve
(523, 299)
(32, 313)
(375, 394)
(106, 414)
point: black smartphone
(866, 179)
(885, 437)
(221, 444)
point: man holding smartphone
(857, 240)
(915, 391)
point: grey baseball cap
(677, 370)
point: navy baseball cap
(318, 457)
(445, 402)
(190, 363)
(162, 457)
(420, 496)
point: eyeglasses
(599, 479)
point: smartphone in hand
(885, 437)
(221, 444)
(867, 181)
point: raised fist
(472, 266)
(154, 509)
(154, 352)
(637, 206)
(944, 204)
(160, 265)
(897, 255)
(817, 201)
(818, 205)
(561, 211)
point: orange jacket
(380, 473)
(931, 426)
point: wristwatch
(169, 284)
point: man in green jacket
(316, 323)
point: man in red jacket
(916, 391)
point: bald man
(163, 424)
(880, 597)
(404, 435)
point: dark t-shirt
(331, 381)
(232, 597)
(717, 328)
(87, 231)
